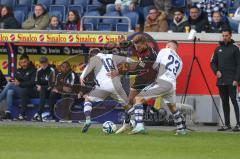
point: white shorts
(162, 89)
(99, 94)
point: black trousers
(53, 97)
(225, 92)
(43, 96)
(25, 95)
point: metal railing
(105, 17)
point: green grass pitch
(29, 142)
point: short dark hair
(173, 41)
(227, 29)
(178, 10)
(194, 7)
(22, 57)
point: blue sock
(87, 111)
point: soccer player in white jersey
(106, 86)
(169, 66)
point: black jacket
(217, 27)
(26, 76)
(9, 22)
(200, 24)
(3, 80)
(42, 76)
(179, 27)
(226, 59)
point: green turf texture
(19, 142)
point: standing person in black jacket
(42, 83)
(226, 65)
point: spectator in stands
(217, 23)
(180, 22)
(22, 86)
(104, 4)
(3, 81)
(198, 20)
(42, 80)
(55, 24)
(7, 19)
(156, 21)
(73, 22)
(121, 5)
(164, 5)
(63, 86)
(39, 20)
(138, 6)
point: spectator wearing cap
(198, 20)
(180, 22)
(42, 80)
(73, 22)
(7, 19)
(55, 24)
(217, 24)
(156, 21)
(39, 20)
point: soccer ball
(109, 127)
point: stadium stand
(78, 8)
(59, 11)
(10, 3)
(19, 15)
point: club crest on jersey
(142, 64)
(220, 50)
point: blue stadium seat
(77, 8)
(122, 27)
(111, 21)
(178, 3)
(27, 3)
(104, 27)
(47, 3)
(19, 15)
(93, 21)
(110, 8)
(93, 7)
(96, 2)
(59, 11)
(10, 3)
(62, 2)
(88, 26)
(134, 18)
(83, 3)
(22, 8)
(145, 11)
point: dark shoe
(21, 117)
(7, 116)
(224, 128)
(86, 127)
(236, 128)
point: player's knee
(139, 100)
